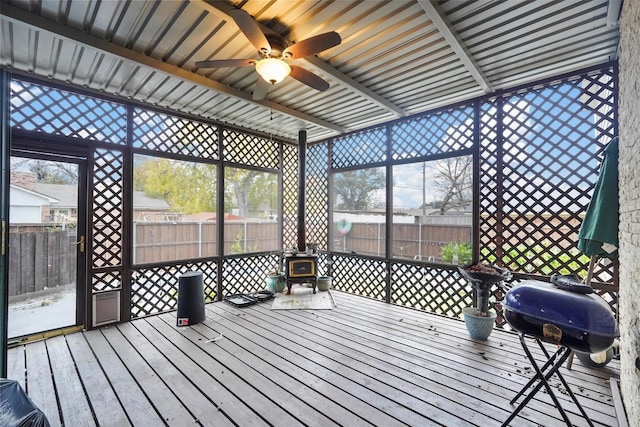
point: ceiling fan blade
(222, 63)
(308, 78)
(312, 45)
(251, 30)
(261, 89)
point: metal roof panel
(396, 57)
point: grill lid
(541, 300)
(583, 322)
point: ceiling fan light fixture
(273, 70)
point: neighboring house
(151, 209)
(65, 209)
(145, 208)
(28, 206)
(36, 202)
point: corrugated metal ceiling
(396, 58)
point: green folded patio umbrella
(600, 225)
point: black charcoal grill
(567, 314)
(582, 322)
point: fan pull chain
(270, 117)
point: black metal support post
(475, 232)
(388, 230)
(302, 167)
(5, 93)
(220, 219)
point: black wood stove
(301, 269)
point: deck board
(387, 363)
(139, 409)
(257, 391)
(354, 363)
(206, 379)
(157, 387)
(39, 381)
(505, 360)
(362, 363)
(306, 360)
(234, 325)
(301, 390)
(109, 411)
(16, 368)
(75, 411)
(426, 382)
(494, 362)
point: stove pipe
(302, 160)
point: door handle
(81, 243)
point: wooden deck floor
(362, 363)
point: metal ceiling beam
(438, 17)
(356, 87)
(221, 10)
(20, 16)
(614, 8)
(613, 12)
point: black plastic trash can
(190, 299)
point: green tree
(187, 187)
(250, 190)
(190, 187)
(263, 192)
(453, 250)
(354, 189)
(236, 189)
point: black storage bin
(190, 299)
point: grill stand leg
(552, 364)
(570, 354)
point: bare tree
(50, 172)
(454, 180)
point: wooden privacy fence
(41, 260)
(410, 241)
(170, 241)
(167, 241)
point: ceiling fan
(274, 51)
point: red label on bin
(183, 321)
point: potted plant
(324, 283)
(479, 319)
(275, 281)
(324, 280)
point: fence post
(420, 240)
(135, 240)
(199, 238)
(244, 236)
